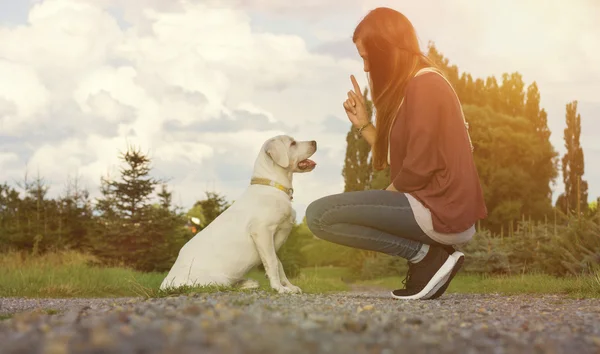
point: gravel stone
(263, 322)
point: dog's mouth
(306, 164)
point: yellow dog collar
(268, 182)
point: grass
(574, 287)
(310, 280)
(70, 274)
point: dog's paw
(282, 289)
(294, 289)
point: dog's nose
(314, 143)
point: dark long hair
(394, 56)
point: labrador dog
(252, 229)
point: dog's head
(290, 154)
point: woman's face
(363, 54)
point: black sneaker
(439, 289)
(424, 276)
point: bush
(362, 264)
(382, 265)
(320, 253)
(576, 250)
(290, 254)
(569, 248)
(486, 254)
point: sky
(199, 85)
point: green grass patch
(69, 274)
(575, 287)
(310, 280)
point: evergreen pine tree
(128, 234)
(211, 207)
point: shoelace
(406, 279)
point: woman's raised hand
(355, 106)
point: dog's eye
(293, 143)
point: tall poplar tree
(357, 166)
(574, 199)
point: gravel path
(369, 322)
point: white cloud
(6, 157)
(83, 78)
(105, 107)
(179, 65)
(311, 9)
(22, 94)
(184, 152)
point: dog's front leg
(285, 281)
(280, 238)
(265, 245)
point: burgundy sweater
(431, 157)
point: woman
(435, 196)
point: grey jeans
(375, 220)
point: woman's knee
(314, 214)
(316, 211)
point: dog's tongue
(307, 163)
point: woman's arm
(368, 133)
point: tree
(75, 216)
(381, 179)
(10, 223)
(357, 166)
(506, 149)
(479, 94)
(33, 212)
(593, 207)
(165, 198)
(129, 232)
(492, 93)
(443, 64)
(168, 232)
(493, 159)
(575, 197)
(512, 96)
(126, 227)
(207, 210)
(136, 186)
(543, 166)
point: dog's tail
(249, 284)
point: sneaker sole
(437, 278)
(441, 287)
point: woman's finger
(355, 97)
(355, 84)
(352, 102)
(348, 107)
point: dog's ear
(278, 152)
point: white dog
(252, 229)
